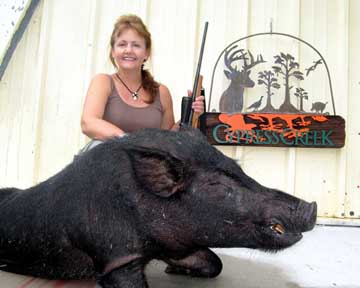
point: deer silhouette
(232, 99)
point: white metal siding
(67, 42)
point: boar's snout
(308, 212)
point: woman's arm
(92, 123)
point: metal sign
(260, 122)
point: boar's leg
(68, 263)
(129, 276)
(202, 263)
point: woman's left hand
(198, 105)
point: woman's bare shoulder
(102, 77)
(164, 91)
(101, 82)
(165, 98)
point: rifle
(188, 116)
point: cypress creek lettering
(269, 137)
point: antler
(259, 59)
(229, 58)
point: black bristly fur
(151, 195)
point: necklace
(134, 94)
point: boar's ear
(157, 171)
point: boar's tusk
(278, 228)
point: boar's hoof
(202, 263)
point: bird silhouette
(313, 67)
(256, 105)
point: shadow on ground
(237, 273)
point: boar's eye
(219, 184)
(220, 191)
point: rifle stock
(195, 118)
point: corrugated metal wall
(66, 43)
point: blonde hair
(134, 22)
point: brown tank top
(129, 118)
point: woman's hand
(198, 105)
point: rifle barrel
(197, 75)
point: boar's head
(193, 195)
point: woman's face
(129, 51)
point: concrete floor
(326, 257)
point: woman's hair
(134, 22)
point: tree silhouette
(287, 67)
(302, 94)
(267, 78)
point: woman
(129, 99)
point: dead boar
(151, 195)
